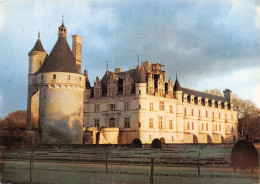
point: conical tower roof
(38, 46)
(141, 75)
(88, 86)
(177, 86)
(61, 58)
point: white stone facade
(172, 116)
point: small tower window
(54, 76)
(139, 92)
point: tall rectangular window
(68, 77)
(213, 115)
(219, 127)
(170, 108)
(97, 108)
(231, 116)
(199, 113)
(111, 91)
(192, 125)
(206, 114)
(160, 125)
(162, 105)
(218, 115)
(96, 122)
(127, 123)
(127, 106)
(41, 77)
(207, 128)
(188, 125)
(151, 106)
(127, 90)
(170, 124)
(54, 76)
(112, 107)
(150, 122)
(192, 112)
(79, 78)
(185, 111)
(139, 92)
(96, 93)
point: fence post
(106, 164)
(199, 164)
(151, 177)
(31, 168)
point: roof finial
(107, 65)
(176, 76)
(85, 72)
(138, 59)
(63, 20)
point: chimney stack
(76, 50)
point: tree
(214, 92)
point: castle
(137, 106)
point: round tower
(61, 95)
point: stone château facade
(123, 107)
(139, 105)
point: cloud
(243, 82)
(1, 15)
(199, 39)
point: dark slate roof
(203, 94)
(60, 60)
(141, 75)
(37, 47)
(177, 86)
(88, 86)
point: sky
(211, 44)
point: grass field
(175, 165)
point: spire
(62, 21)
(138, 59)
(177, 86)
(107, 65)
(39, 35)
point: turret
(177, 89)
(36, 56)
(141, 82)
